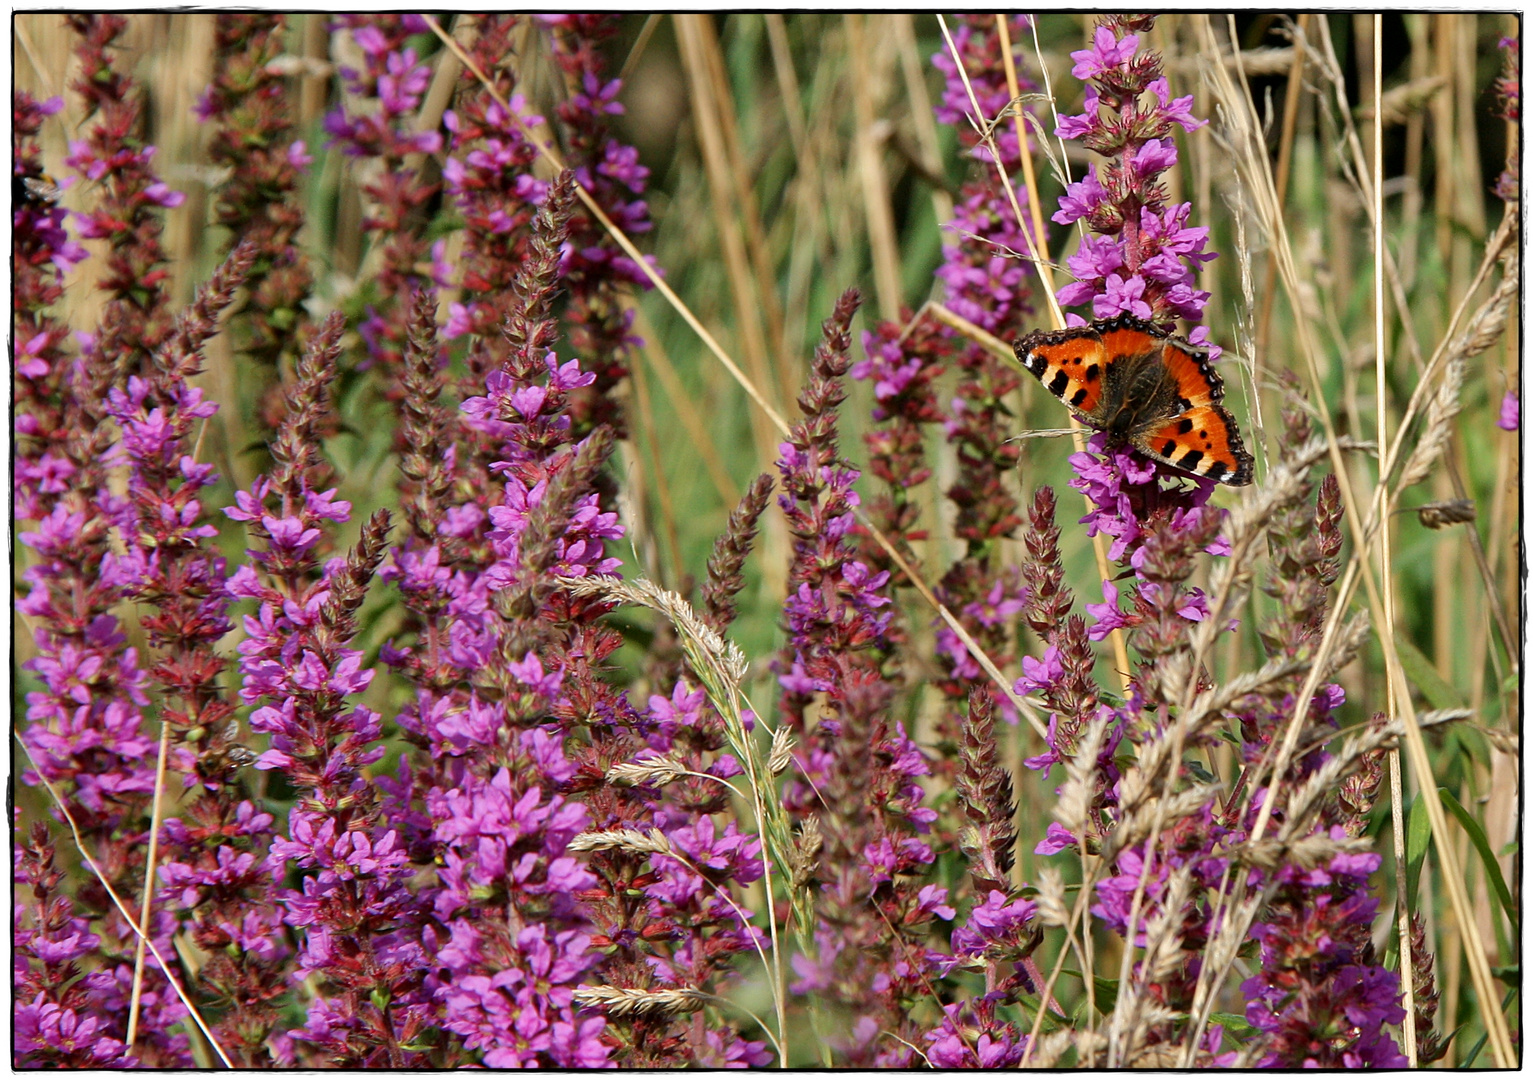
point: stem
(148, 898)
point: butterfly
(1157, 393)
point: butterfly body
(1143, 388)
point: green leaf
(1487, 857)
(1234, 1024)
(1418, 837)
(1106, 991)
(1423, 673)
(1510, 974)
(1466, 742)
(1474, 1052)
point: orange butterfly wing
(1070, 363)
(1203, 441)
(1196, 380)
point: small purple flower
(1105, 54)
(1510, 413)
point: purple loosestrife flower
(979, 49)
(507, 992)
(357, 921)
(1510, 412)
(84, 725)
(493, 688)
(1319, 995)
(377, 120)
(42, 253)
(488, 173)
(248, 106)
(1430, 1046)
(971, 1036)
(902, 368)
(997, 935)
(1140, 259)
(57, 1022)
(987, 284)
(862, 766)
(504, 664)
(1143, 259)
(213, 851)
(835, 604)
(173, 570)
(598, 271)
(1135, 260)
(126, 215)
(682, 931)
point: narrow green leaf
(1423, 674)
(1418, 837)
(1487, 857)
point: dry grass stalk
(868, 82)
(658, 771)
(1052, 909)
(1076, 793)
(781, 754)
(1304, 802)
(1485, 326)
(1138, 825)
(1439, 515)
(1132, 1014)
(1381, 384)
(707, 111)
(1052, 1046)
(740, 174)
(1406, 100)
(630, 840)
(620, 1002)
(806, 852)
(1258, 63)
(1251, 156)
(146, 900)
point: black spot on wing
(1184, 427)
(1058, 384)
(1165, 450)
(1189, 460)
(1093, 372)
(1215, 470)
(1079, 396)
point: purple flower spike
(1129, 119)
